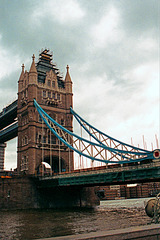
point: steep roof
(44, 65)
(33, 66)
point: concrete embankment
(147, 232)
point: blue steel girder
(93, 150)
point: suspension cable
(59, 157)
(69, 157)
(42, 147)
(50, 154)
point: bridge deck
(120, 175)
(9, 132)
(8, 115)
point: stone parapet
(147, 232)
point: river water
(34, 224)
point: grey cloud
(139, 15)
(73, 44)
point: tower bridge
(42, 118)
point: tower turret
(68, 86)
(20, 82)
(32, 82)
(33, 72)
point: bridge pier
(68, 197)
(23, 193)
(2, 155)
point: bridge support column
(88, 197)
(2, 155)
(68, 197)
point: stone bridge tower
(36, 143)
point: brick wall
(140, 190)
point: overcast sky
(112, 48)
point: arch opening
(57, 165)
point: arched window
(58, 96)
(26, 140)
(49, 83)
(49, 94)
(53, 84)
(44, 93)
(62, 122)
(53, 95)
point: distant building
(2, 152)
(129, 191)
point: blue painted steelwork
(82, 122)
(129, 155)
(92, 131)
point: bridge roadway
(8, 116)
(9, 133)
(149, 172)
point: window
(39, 138)
(44, 93)
(53, 139)
(25, 140)
(44, 139)
(48, 138)
(40, 119)
(53, 84)
(49, 94)
(24, 160)
(24, 163)
(49, 83)
(58, 96)
(62, 122)
(53, 95)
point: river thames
(34, 224)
